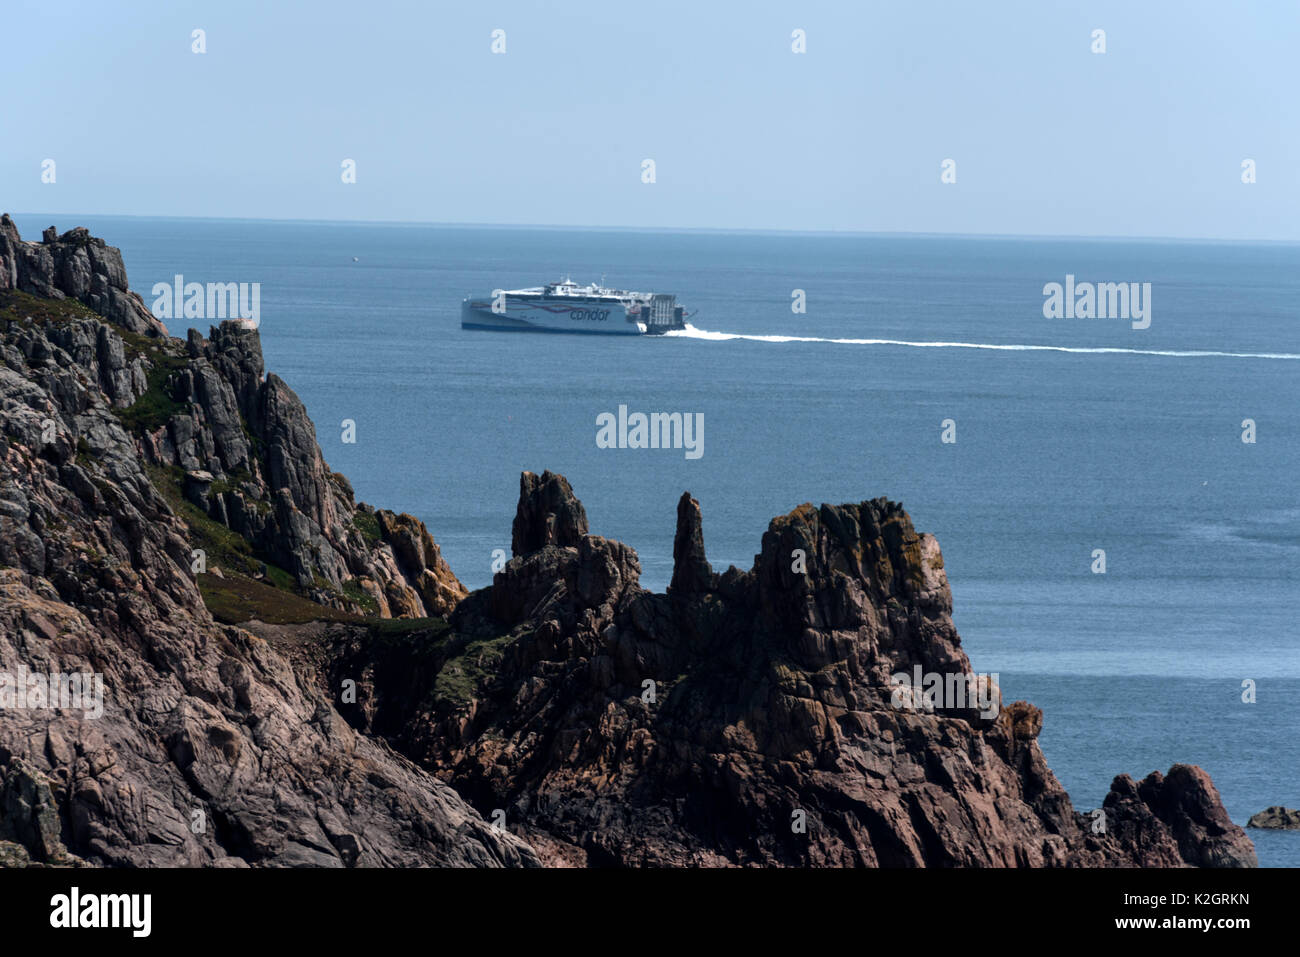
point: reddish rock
(750, 718)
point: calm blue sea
(1057, 453)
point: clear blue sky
(1049, 138)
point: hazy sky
(1146, 139)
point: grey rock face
(29, 815)
(211, 747)
(75, 265)
(214, 409)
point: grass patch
(155, 407)
(232, 483)
(353, 591)
(84, 458)
(223, 547)
(280, 578)
(226, 549)
(368, 525)
(16, 306)
(237, 598)
(256, 444)
(460, 676)
(241, 563)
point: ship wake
(690, 332)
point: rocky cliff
(228, 445)
(747, 718)
(167, 521)
(123, 451)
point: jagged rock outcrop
(420, 562)
(1183, 806)
(267, 480)
(1276, 818)
(692, 573)
(195, 743)
(752, 717)
(220, 433)
(548, 514)
(75, 265)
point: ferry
(566, 306)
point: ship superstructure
(566, 306)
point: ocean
(1112, 438)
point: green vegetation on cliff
(155, 407)
(236, 598)
(16, 306)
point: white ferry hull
(593, 309)
(550, 316)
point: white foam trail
(690, 332)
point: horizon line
(730, 230)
